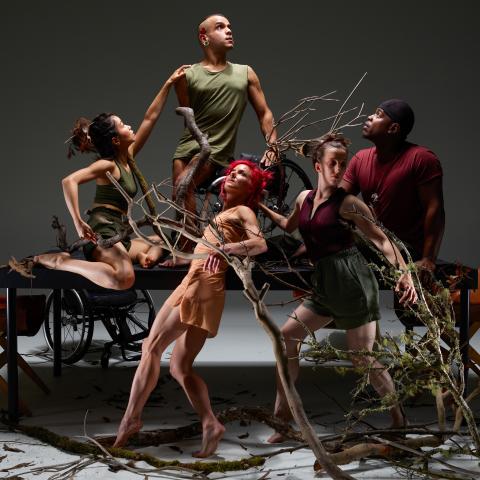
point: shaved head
(207, 22)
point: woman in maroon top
(344, 288)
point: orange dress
(201, 295)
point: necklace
(375, 195)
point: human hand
(178, 74)
(269, 158)
(426, 263)
(406, 287)
(426, 270)
(85, 231)
(212, 263)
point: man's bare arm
(431, 198)
(181, 89)
(259, 104)
(349, 187)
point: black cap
(400, 112)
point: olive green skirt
(345, 289)
(107, 223)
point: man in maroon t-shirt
(401, 181)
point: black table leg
(57, 332)
(12, 355)
(464, 328)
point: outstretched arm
(355, 210)
(264, 114)
(253, 245)
(154, 110)
(70, 185)
(290, 223)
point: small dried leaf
(20, 465)
(12, 449)
(175, 448)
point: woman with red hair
(193, 311)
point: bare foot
(212, 435)
(276, 438)
(178, 262)
(126, 429)
(51, 260)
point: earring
(206, 43)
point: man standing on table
(401, 180)
(217, 91)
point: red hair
(259, 180)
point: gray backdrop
(64, 59)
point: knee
(124, 278)
(291, 342)
(178, 371)
(361, 361)
(150, 349)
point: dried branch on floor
(81, 448)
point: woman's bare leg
(110, 268)
(363, 338)
(166, 328)
(184, 353)
(294, 333)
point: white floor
(238, 366)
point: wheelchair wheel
(141, 315)
(288, 181)
(76, 326)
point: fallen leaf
(12, 449)
(20, 465)
(177, 449)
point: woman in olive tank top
(344, 288)
(114, 142)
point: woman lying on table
(344, 288)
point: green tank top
(218, 100)
(108, 194)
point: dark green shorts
(344, 288)
(107, 223)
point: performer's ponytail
(93, 136)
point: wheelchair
(127, 316)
